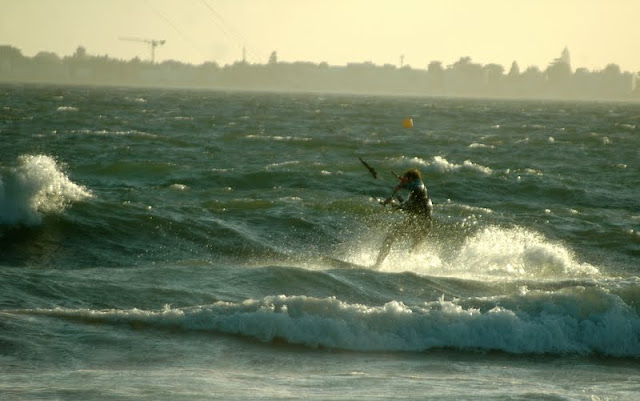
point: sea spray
(35, 187)
(518, 253)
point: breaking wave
(35, 187)
(574, 320)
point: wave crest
(36, 186)
(441, 165)
(576, 320)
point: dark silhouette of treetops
(464, 78)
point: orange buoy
(407, 123)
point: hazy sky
(531, 32)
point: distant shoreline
(463, 79)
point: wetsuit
(418, 202)
(417, 222)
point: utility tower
(151, 42)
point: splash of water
(35, 187)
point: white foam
(516, 252)
(178, 187)
(35, 187)
(67, 108)
(282, 164)
(442, 165)
(279, 138)
(492, 254)
(480, 146)
(136, 99)
(577, 320)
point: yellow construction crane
(151, 42)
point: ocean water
(185, 245)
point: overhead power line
(175, 28)
(234, 35)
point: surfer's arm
(403, 184)
(395, 191)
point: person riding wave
(418, 209)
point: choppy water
(168, 244)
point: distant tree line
(463, 78)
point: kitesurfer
(417, 209)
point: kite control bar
(397, 203)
